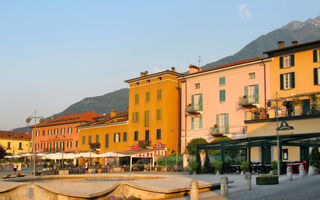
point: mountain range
(294, 31)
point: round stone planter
(267, 180)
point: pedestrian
(15, 166)
(19, 168)
(86, 166)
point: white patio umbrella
(111, 154)
(26, 155)
(87, 155)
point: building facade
(60, 134)
(294, 73)
(154, 108)
(106, 133)
(15, 143)
(216, 101)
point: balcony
(214, 132)
(194, 109)
(95, 146)
(249, 101)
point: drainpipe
(265, 84)
(185, 116)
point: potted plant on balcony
(297, 104)
(263, 113)
(256, 114)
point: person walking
(15, 166)
(19, 168)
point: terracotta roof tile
(68, 119)
(227, 65)
(15, 135)
(106, 119)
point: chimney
(281, 44)
(294, 43)
(193, 69)
(113, 113)
(173, 69)
(142, 74)
(146, 73)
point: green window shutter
(281, 82)
(192, 102)
(217, 122)
(292, 60)
(192, 123)
(245, 115)
(226, 123)
(246, 94)
(315, 55)
(200, 122)
(292, 80)
(315, 76)
(256, 93)
(200, 101)
(222, 95)
(281, 62)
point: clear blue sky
(55, 53)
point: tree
(207, 167)
(2, 152)
(315, 157)
(191, 147)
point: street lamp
(28, 120)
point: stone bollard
(289, 173)
(311, 171)
(194, 190)
(302, 173)
(248, 181)
(224, 186)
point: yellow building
(152, 120)
(154, 107)
(107, 133)
(294, 78)
(15, 143)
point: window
(56, 131)
(316, 55)
(287, 81)
(89, 139)
(135, 117)
(158, 114)
(196, 122)
(70, 130)
(50, 132)
(159, 94)
(83, 139)
(285, 154)
(316, 75)
(147, 96)
(97, 138)
(222, 81)
(37, 146)
(69, 144)
(9, 145)
(117, 137)
(62, 131)
(197, 85)
(158, 134)
(251, 93)
(252, 75)
(222, 96)
(222, 121)
(77, 144)
(286, 61)
(43, 133)
(49, 146)
(106, 145)
(56, 146)
(196, 102)
(136, 136)
(146, 118)
(125, 136)
(20, 145)
(147, 135)
(136, 99)
(62, 146)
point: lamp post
(28, 120)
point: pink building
(216, 101)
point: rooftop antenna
(199, 61)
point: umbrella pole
(130, 163)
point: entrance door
(306, 106)
(266, 154)
(304, 153)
